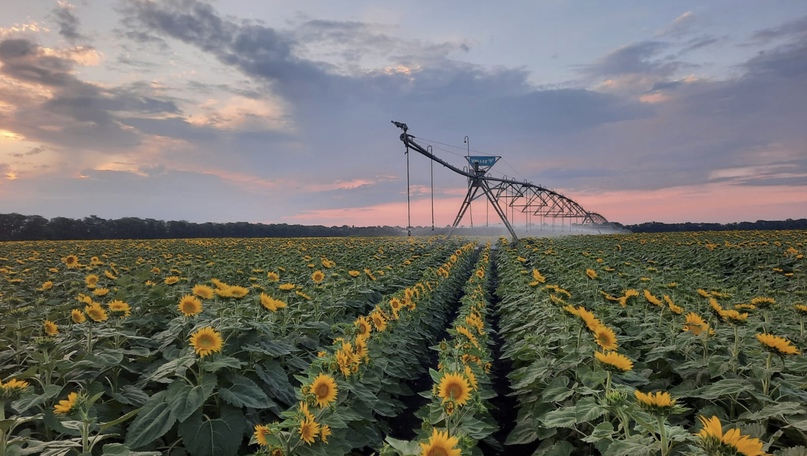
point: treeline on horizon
(18, 227)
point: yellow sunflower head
(12, 388)
(777, 345)
(50, 328)
(96, 312)
(272, 276)
(71, 261)
(203, 291)
(440, 444)
(605, 338)
(454, 387)
(77, 316)
(271, 303)
(261, 432)
(65, 406)
(659, 403)
(318, 276)
(91, 280)
(324, 389)
(363, 327)
(171, 280)
(309, 430)
(189, 305)
(118, 306)
(614, 362)
(206, 341)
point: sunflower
(454, 387)
(714, 441)
(307, 415)
(660, 403)
(537, 276)
(100, 292)
(65, 406)
(96, 312)
(440, 444)
(471, 377)
(119, 306)
(763, 302)
(46, 286)
(109, 275)
(605, 338)
(91, 281)
(801, 309)
(395, 304)
(592, 274)
(12, 388)
(51, 328)
(77, 316)
(237, 291)
(353, 273)
(203, 291)
(206, 341)
(324, 432)
(324, 388)
(272, 276)
(287, 286)
(648, 296)
(572, 310)
(379, 321)
(261, 431)
(309, 429)
(189, 305)
(318, 276)
(734, 317)
(588, 318)
(695, 324)
(361, 347)
(613, 361)
(71, 261)
(271, 303)
(171, 280)
(363, 326)
(777, 345)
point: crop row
(626, 349)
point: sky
(279, 112)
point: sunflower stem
(662, 430)
(767, 376)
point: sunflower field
(664, 344)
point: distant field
(405, 345)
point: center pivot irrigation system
(525, 197)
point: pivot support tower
(525, 197)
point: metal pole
(431, 172)
(408, 202)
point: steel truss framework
(524, 197)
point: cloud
(51, 105)
(67, 21)
(682, 25)
(795, 29)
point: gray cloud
(794, 29)
(77, 113)
(67, 21)
(32, 151)
(637, 58)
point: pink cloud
(717, 202)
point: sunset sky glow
(279, 112)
